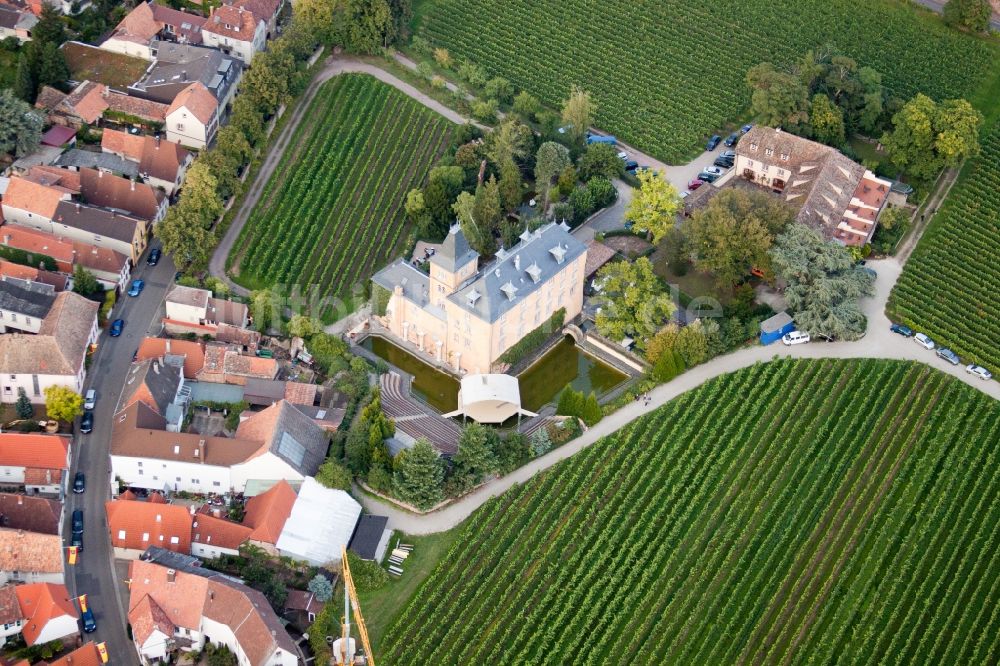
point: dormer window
(753, 146)
(472, 297)
(534, 272)
(509, 290)
(784, 157)
(559, 252)
(769, 151)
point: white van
(795, 338)
(923, 341)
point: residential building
(193, 118)
(137, 199)
(465, 318)
(160, 163)
(189, 355)
(147, 22)
(34, 464)
(49, 613)
(265, 10)
(11, 619)
(104, 228)
(27, 557)
(11, 271)
(229, 365)
(267, 513)
(135, 526)
(160, 387)
(89, 101)
(831, 193)
(60, 137)
(235, 31)
(32, 514)
(112, 269)
(24, 306)
(320, 525)
(55, 355)
(301, 608)
(189, 309)
(17, 23)
(184, 608)
(75, 159)
(212, 535)
(277, 443)
(85, 655)
(32, 204)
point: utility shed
(773, 328)
(320, 525)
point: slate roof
(34, 514)
(414, 283)
(98, 221)
(367, 535)
(31, 301)
(177, 66)
(263, 391)
(288, 434)
(77, 158)
(502, 285)
(153, 383)
(11, 271)
(455, 252)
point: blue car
(905, 331)
(732, 139)
(89, 623)
(116, 327)
(746, 128)
(713, 143)
(136, 287)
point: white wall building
(320, 525)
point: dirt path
(944, 184)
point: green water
(540, 384)
(564, 364)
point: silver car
(979, 371)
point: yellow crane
(342, 649)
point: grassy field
(667, 74)
(950, 287)
(793, 512)
(89, 63)
(332, 212)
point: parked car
(708, 177)
(631, 165)
(795, 338)
(979, 371)
(116, 327)
(87, 422)
(594, 138)
(713, 142)
(949, 356)
(154, 257)
(623, 156)
(724, 162)
(713, 170)
(89, 623)
(90, 399)
(728, 154)
(136, 288)
(905, 331)
(78, 521)
(732, 139)
(695, 184)
(76, 540)
(79, 483)
(746, 128)
(923, 341)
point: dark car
(695, 184)
(116, 327)
(79, 483)
(724, 162)
(905, 331)
(713, 142)
(728, 154)
(746, 128)
(89, 623)
(87, 422)
(78, 521)
(631, 165)
(708, 177)
(732, 139)
(154, 257)
(77, 540)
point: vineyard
(667, 74)
(795, 511)
(332, 211)
(950, 287)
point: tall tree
(511, 140)
(200, 194)
(185, 237)
(600, 159)
(20, 125)
(635, 301)
(475, 459)
(419, 475)
(84, 282)
(52, 69)
(23, 406)
(50, 29)
(778, 98)
(488, 212)
(577, 113)
(511, 186)
(654, 205)
(824, 284)
(826, 121)
(551, 160)
(928, 136)
(971, 15)
(734, 232)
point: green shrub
(532, 340)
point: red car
(695, 184)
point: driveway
(94, 573)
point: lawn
(795, 511)
(950, 287)
(89, 63)
(332, 212)
(667, 74)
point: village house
(160, 163)
(464, 317)
(16, 22)
(148, 21)
(193, 310)
(235, 31)
(160, 387)
(11, 271)
(228, 365)
(112, 269)
(30, 513)
(86, 655)
(28, 557)
(23, 306)
(265, 10)
(55, 354)
(33, 463)
(135, 526)
(47, 611)
(89, 101)
(189, 355)
(832, 194)
(183, 607)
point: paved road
(94, 573)
(878, 343)
(938, 6)
(334, 66)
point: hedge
(33, 259)
(532, 340)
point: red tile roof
(138, 525)
(157, 157)
(181, 596)
(193, 353)
(10, 610)
(12, 270)
(219, 532)
(110, 191)
(30, 552)
(40, 604)
(233, 22)
(299, 393)
(147, 617)
(58, 135)
(86, 655)
(38, 199)
(32, 450)
(262, 9)
(266, 513)
(30, 240)
(197, 100)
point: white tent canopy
(322, 521)
(489, 398)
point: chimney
(171, 574)
(133, 185)
(100, 174)
(156, 141)
(20, 500)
